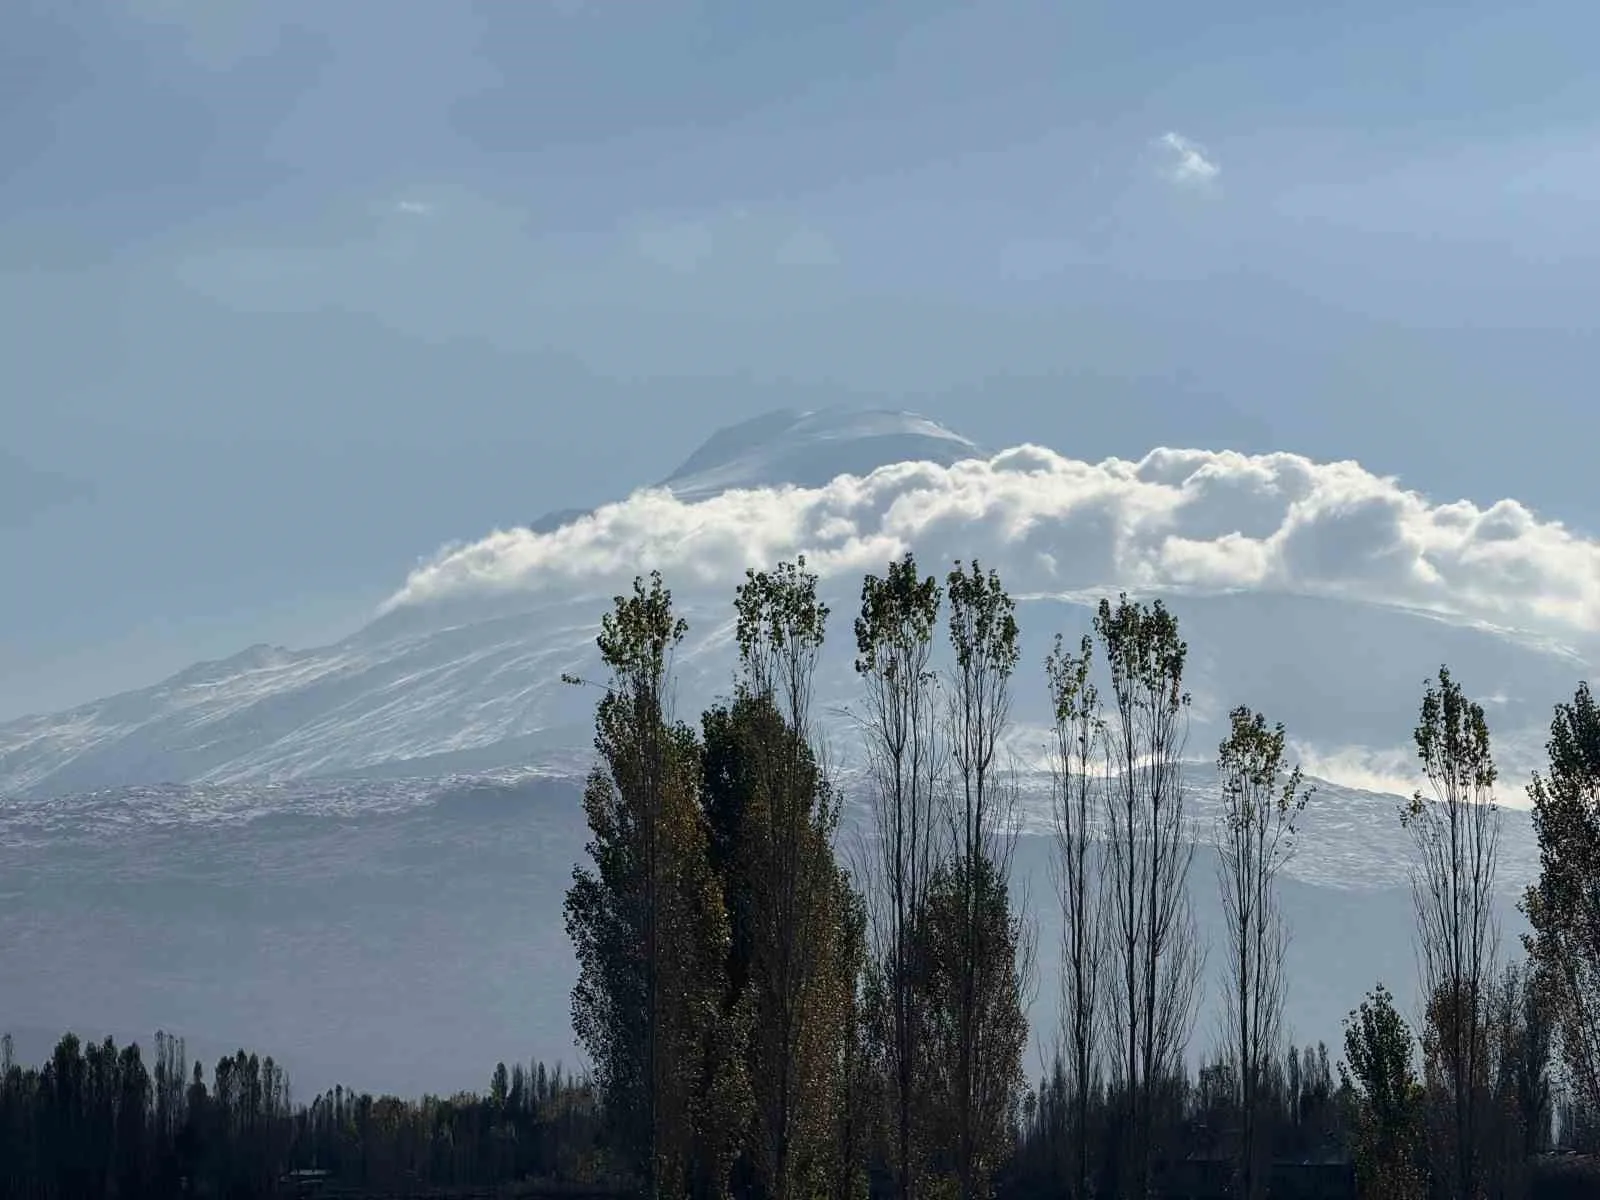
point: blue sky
(291, 293)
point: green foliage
(1379, 1070)
(1074, 699)
(1153, 943)
(895, 625)
(983, 623)
(97, 1122)
(1079, 728)
(1256, 828)
(1563, 906)
(781, 881)
(1519, 1093)
(1144, 653)
(894, 637)
(1255, 786)
(856, 1086)
(970, 1078)
(1456, 832)
(1452, 739)
(969, 943)
(763, 1022)
(780, 628)
(648, 922)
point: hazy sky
(293, 292)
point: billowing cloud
(1187, 163)
(1187, 520)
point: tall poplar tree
(1380, 1075)
(1456, 831)
(1079, 877)
(894, 647)
(975, 951)
(647, 919)
(1563, 905)
(1153, 943)
(786, 883)
(1255, 839)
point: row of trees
(1484, 1101)
(715, 891)
(756, 1017)
(773, 1009)
(97, 1121)
(1301, 1111)
(764, 1018)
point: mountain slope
(1328, 628)
(271, 915)
(799, 449)
(254, 848)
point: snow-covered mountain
(812, 449)
(1284, 573)
(260, 848)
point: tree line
(779, 1003)
(775, 1010)
(96, 1121)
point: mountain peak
(809, 449)
(802, 449)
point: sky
(293, 293)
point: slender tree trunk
(894, 635)
(1255, 839)
(1156, 937)
(1456, 835)
(1079, 738)
(983, 638)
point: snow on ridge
(1349, 840)
(1311, 591)
(485, 695)
(808, 449)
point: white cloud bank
(1176, 519)
(1186, 161)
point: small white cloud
(1186, 163)
(414, 208)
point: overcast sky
(291, 293)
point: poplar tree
(647, 919)
(975, 952)
(1078, 867)
(1380, 1073)
(894, 646)
(1563, 905)
(1456, 831)
(1255, 839)
(1153, 943)
(782, 870)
